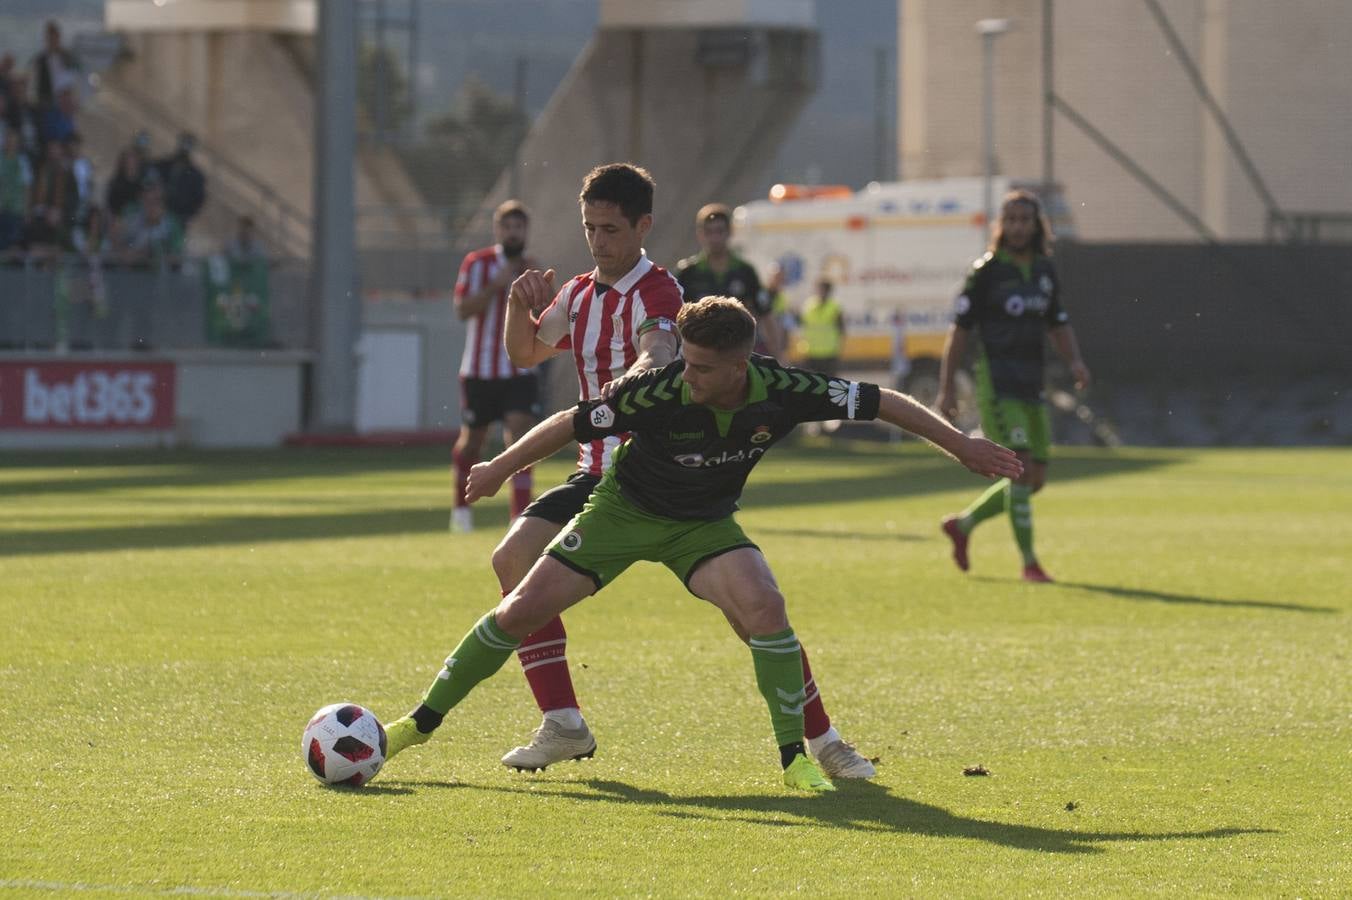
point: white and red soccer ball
(343, 744)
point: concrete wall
(1182, 314)
(1280, 71)
(248, 97)
(706, 131)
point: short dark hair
(713, 212)
(717, 323)
(510, 208)
(628, 186)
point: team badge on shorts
(571, 541)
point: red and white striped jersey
(485, 355)
(603, 333)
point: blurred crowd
(53, 202)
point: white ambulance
(895, 253)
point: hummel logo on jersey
(603, 416)
(686, 435)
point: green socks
(991, 503)
(779, 675)
(481, 653)
(1005, 494)
(1021, 517)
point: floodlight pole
(989, 29)
(336, 303)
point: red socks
(542, 656)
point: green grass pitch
(1173, 718)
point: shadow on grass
(139, 469)
(818, 533)
(887, 474)
(861, 806)
(225, 530)
(1167, 597)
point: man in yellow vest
(823, 331)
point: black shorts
(560, 504)
(484, 401)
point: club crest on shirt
(761, 434)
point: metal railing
(1310, 227)
(79, 303)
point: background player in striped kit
(492, 389)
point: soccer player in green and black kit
(699, 425)
(717, 271)
(1012, 297)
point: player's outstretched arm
(541, 442)
(979, 455)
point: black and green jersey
(1012, 306)
(684, 460)
(698, 280)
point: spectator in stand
(83, 170)
(57, 121)
(92, 237)
(185, 186)
(245, 247)
(6, 71)
(22, 118)
(53, 67)
(16, 180)
(53, 204)
(124, 188)
(150, 233)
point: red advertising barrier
(87, 396)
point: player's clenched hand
(990, 459)
(533, 289)
(484, 481)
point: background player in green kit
(1012, 297)
(699, 425)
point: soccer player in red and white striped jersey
(492, 389)
(617, 320)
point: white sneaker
(462, 520)
(552, 743)
(840, 760)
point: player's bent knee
(766, 613)
(522, 614)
